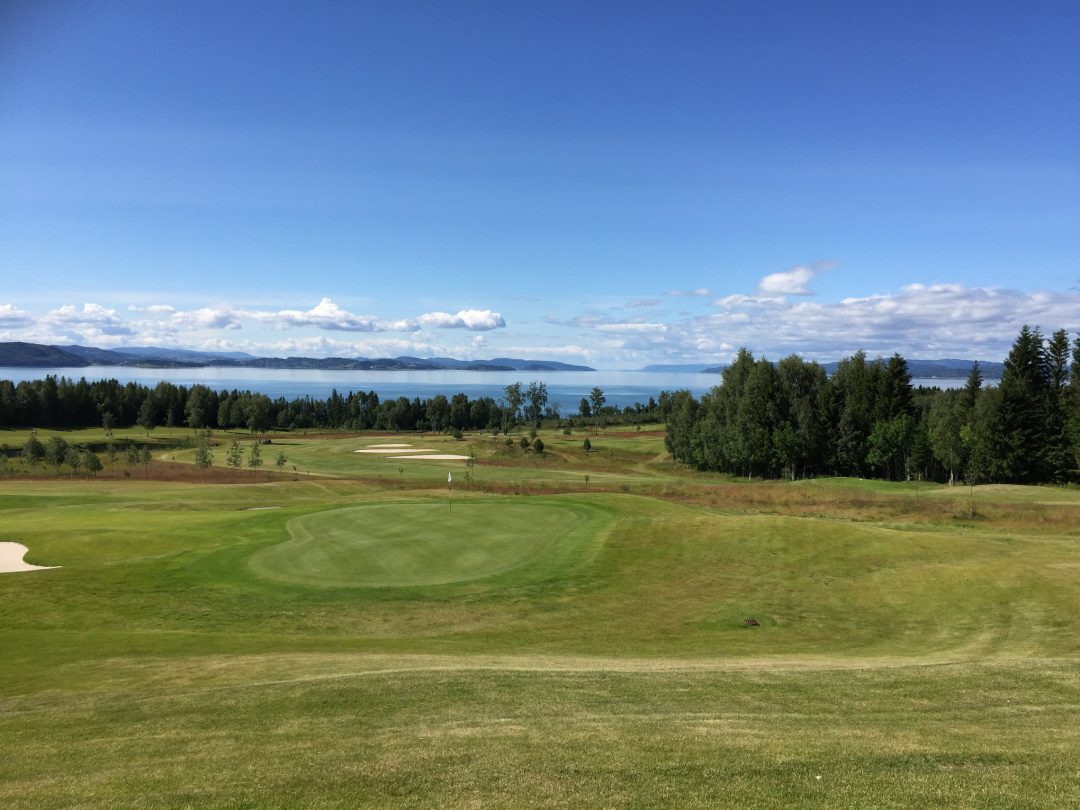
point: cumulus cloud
(329, 316)
(323, 346)
(92, 321)
(153, 309)
(11, 316)
(204, 318)
(936, 320)
(918, 320)
(789, 282)
(324, 315)
(475, 320)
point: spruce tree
(1072, 407)
(1021, 442)
(1058, 445)
(971, 388)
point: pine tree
(894, 390)
(1020, 444)
(971, 388)
(1058, 445)
(1072, 408)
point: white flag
(449, 478)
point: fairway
(432, 543)
(348, 640)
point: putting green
(426, 543)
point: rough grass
(905, 653)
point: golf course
(552, 628)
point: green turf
(430, 542)
(361, 645)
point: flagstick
(450, 484)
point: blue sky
(610, 183)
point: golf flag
(450, 478)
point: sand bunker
(389, 445)
(436, 457)
(393, 450)
(11, 559)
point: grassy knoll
(340, 640)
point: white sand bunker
(11, 559)
(436, 457)
(389, 450)
(389, 445)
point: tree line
(789, 419)
(63, 403)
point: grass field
(339, 636)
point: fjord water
(565, 388)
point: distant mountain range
(679, 368)
(946, 369)
(37, 355)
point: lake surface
(565, 388)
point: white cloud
(475, 320)
(938, 320)
(11, 316)
(402, 325)
(789, 282)
(324, 315)
(204, 318)
(540, 350)
(153, 309)
(700, 292)
(92, 322)
(746, 300)
(632, 327)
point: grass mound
(408, 544)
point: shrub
(538, 445)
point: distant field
(346, 638)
